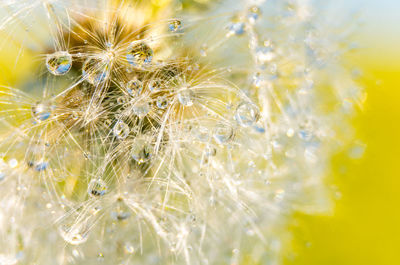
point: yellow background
(365, 225)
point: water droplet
(290, 132)
(141, 150)
(305, 134)
(3, 168)
(41, 111)
(246, 114)
(154, 85)
(121, 211)
(264, 54)
(203, 50)
(357, 151)
(95, 70)
(13, 163)
(121, 130)
(175, 25)
(279, 194)
(185, 97)
(59, 63)
(139, 54)
(202, 133)
(121, 100)
(100, 257)
(254, 13)
(236, 28)
(141, 108)
(134, 87)
(74, 232)
(223, 133)
(41, 166)
(74, 115)
(96, 188)
(210, 151)
(2, 175)
(129, 249)
(162, 102)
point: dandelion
(140, 147)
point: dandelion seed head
(156, 139)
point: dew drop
(154, 85)
(41, 111)
(97, 188)
(41, 166)
(254, 13)
(139, 54)
(141, 108)
(75, 115)
(128, 248)
(121, 211)
(121, 100)
(141, 150)
(305, 134)
(100, 257)
(2, 176)
(95, 70)
(264, 54)
(74, 233)
(202, 133)
(246, 114)
(59, 63)
(223, 133)
(210, 151)
(203, 50)
(134, 87)
(175, 25)
(3, 167)
(162, 102)
(13, 163)
(236, 28)
(185, 97)
(121, 130)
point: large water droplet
(59, 63)
(97, 188)
(141, 150)
(202, 133)
(223, 133)
(185, 97)
(134, 87)
(139, 54)
(121, 130)
(141, 108)
(95, 70)
(162, 102)
(175, 25)
(74, 229)
(41, 111)
(247, 114)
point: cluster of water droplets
(153, 140)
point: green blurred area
(364, 228)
